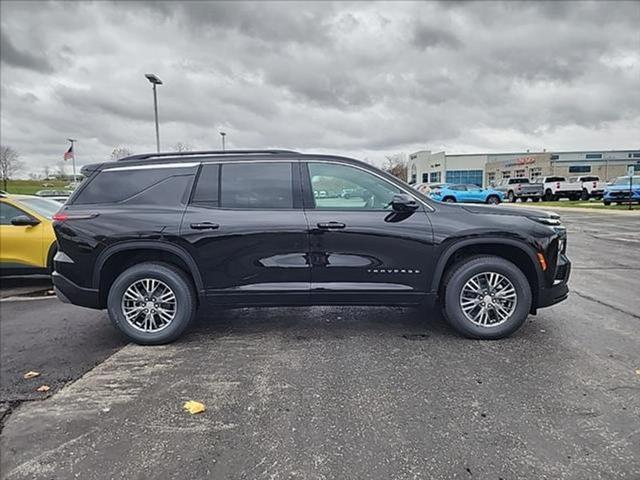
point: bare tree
(9, 163)
(120, 152)
(182, 147)
(60, 170)
(47, 171)
(396, 165)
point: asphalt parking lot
(324, 393)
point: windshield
(41, 206)
(625, 180)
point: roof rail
(147, 156)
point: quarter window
(342, 187)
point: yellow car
(27, 241)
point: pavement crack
(605, 304)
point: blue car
(618, 191)
(465, 193)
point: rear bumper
(559, 291)
(69, 292)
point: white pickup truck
(554, 188)
(592, 186)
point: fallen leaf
(31, 374)
(43, 388)
(637, 371)
(194, 407)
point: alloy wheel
(149, 305)
(488, 299)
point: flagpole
(73, 158)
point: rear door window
(245, 185)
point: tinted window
(342, 187)
(8, 212)
(256, 185)
(206, 193)
(41, 206)
(113, 186)
(514, 181)
(555, 179)
(458, 188)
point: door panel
(361, 251)
(254, 254)
(21, 246)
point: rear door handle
(205, 226)
(331, 225)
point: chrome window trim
(154, 166)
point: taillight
(594, 184)
(63, 216)
(557, 185)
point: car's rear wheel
(486, 297)
(584, 195)
(511, 197)
(493, 200)
(152, 303)
(535, 199)
(606, 202)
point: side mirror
(403, 202)
(24, 221)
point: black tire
(458, 275)
(511, 197)
(175, 279)
(53, 249)
(606, 202)
(493, 200)
(535, 199)
(449, 199)
(584, 195)
(548, 196)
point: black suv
(154, 237)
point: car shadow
(304, 323)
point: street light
(155, 81)
(223, 134)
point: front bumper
(69, 292)
(559, 290)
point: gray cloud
(362, 79)
(14, 57)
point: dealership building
(485, 169)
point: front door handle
(205, 226)
(331, 225)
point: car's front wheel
(152, 303)
(486, 297)
(493, 199)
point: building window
(413, 156)
(425, 177)
(535, 172)
(434, 177)
(555, 157)
(519, 174)
(464, 176)
(580, 169)
(414, 174)
(592, 156)
(506, 174)
(634, 155)
(636, 167)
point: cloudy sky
(362, 79)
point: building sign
(520, 161)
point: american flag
(69, 153)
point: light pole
(155, 81)
(223, 134)
(73, 157)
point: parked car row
(622, 190)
